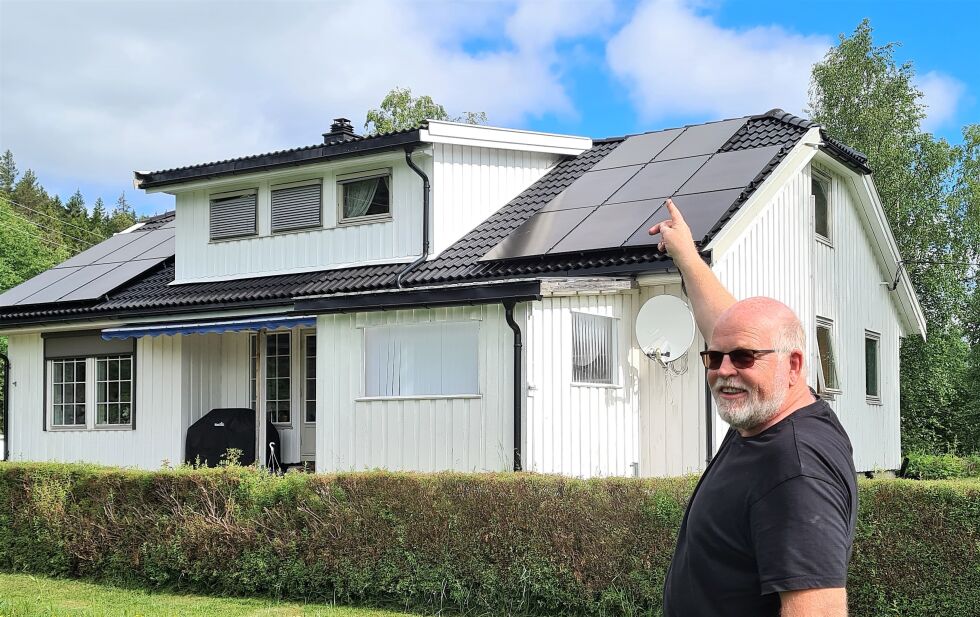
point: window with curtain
(432, 359)
(365, 196)
(593, 349)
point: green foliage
(400, 111)
(942, 466)
(931, 194)
(502, 544)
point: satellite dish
(665, 328)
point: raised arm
(709, 298)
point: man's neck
(797, 398)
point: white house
(458, 297)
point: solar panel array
(614, 203)
(96, 271)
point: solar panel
(640, 237)
(655, 179)
(607, 226)
(638, 149)
(702, 210)
(538, 234)
(45, 279)
(701, 139)
(593, 188)
(97, 270)
(728, 170)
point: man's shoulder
(822, 444)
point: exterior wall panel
(155, 439)
(412, 433)
(469, 184)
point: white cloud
(941, 94)
(113, 86)
(674, 59)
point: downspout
(518, 380)
(6, 406)
(425, 216)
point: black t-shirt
(773, 512)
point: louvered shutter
(232, 217)
(296, 207)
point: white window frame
(477, 393)
(297, 385)
(348, 178)
(292, 185)
(870, 335)
(307, 396)
(614, 363)
(826, 180)
(828, 324)
(91, 390)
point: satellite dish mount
(665, 331)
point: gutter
(6, 406)
(518, 381)
(425, 216)
(426, 297)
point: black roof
(151, 293)
(350, 145)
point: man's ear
(795, 366)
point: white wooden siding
(156, 438)
(469, 184)
(778, 256)
(849, 290)
(646, 418)
(424, 433)
(332, 246)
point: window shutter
(296, 207)
(233, 217)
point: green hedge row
(479, 544)
(941, 466)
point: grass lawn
(22, 595)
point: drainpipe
(6, 406)
(425, 216)
(518, 381)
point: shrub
(941, 466)
(520, 544)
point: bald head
(771, 321)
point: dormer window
(365, 197)
(296, 205)
(820, 189)
(233, 215)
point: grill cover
(209, 438)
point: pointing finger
(675, 214)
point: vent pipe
(340, 130)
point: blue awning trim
(237, 325)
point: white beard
(754, 410)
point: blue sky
(116, 86)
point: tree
(401, 111)
(8, 172)
(862, 97)
(123, 216)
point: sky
(91, 91)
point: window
(820, 188)
(68, 392)
(279, 348)
(90, 382)
(365, 196)
(431, 359)
(233, 215)
(827, 375)
(277, 398)
(309, 395)
(871, 387)
(296, 206)
(593, 349)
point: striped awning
(251, 324)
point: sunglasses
(741, 358)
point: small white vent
(233, 216)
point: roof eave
(264, 162)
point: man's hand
(675, 236)
(709, 298)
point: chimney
(340, 130)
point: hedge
(520, 544)
(941, 466)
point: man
(769, 527)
